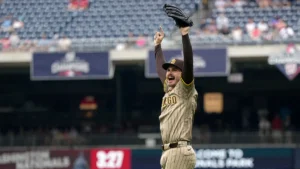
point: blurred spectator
(225, 31)
(212, 28)
(262, 26)
(78, 4)
(287, 3)
(141, 41)
(250, 26)
(120, 46)
(286, 32)
(264, 3)
(268, 36)
(220, 5)
(264, 129)
(280, 3)
(256, 34)
(277, 129)
(280, 24)
(73, 5)
(87, 127)
(83, 4)
(27, 45)
(238, 4)
(14, 41)
(130, 40)
(18, 24)
(5, 43)
(237, 34)
(64, 43)
(273, 22)
(222, 21)
(287, 129)
(202, 24)
(74, 136)
(6, 24)
(284, 112)
(56, 136)
(197, 3)
(205, 4)
(44, 44)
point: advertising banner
(120, 158)
(297, 159)
(288, 61)
(71, 66)
(146, 159)
(110, 159)
(45, 159)
(261, 158)
(266, 158)
(207, 62)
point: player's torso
(177, 113)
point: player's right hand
(159, 36)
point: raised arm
(159, 57)
(188, 70)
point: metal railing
(135, 139)
(105, 44)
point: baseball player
(178, 104)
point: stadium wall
(141, 54)
(137, 158)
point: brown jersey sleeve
(185, 90)
(160, 60)
(188, 70)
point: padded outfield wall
(141, 158)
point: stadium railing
(154, 138)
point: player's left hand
(185, 30)
(159, 36)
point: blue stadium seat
(114, 14)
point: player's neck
(170, 88)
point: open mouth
(171, 78)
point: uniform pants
(183, 157)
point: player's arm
(188, 71)
(159, 57)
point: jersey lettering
(112, 159)
(170, 100)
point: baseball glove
(181, 19)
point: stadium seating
(239, 18)
(104, 18)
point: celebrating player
(178, 104)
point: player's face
(173, 76)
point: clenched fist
(159, 36)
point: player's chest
(169, 100)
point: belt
(175, 145)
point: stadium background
(78, 85)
